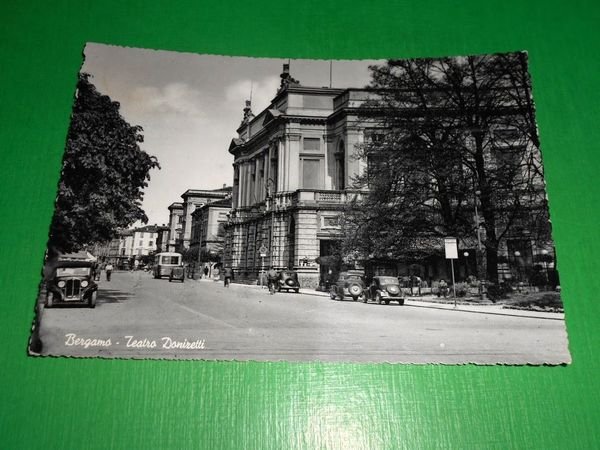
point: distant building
(175, 226)
(162, 239)
(208, 232)
(192, 199)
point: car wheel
(355, 290)
(401, 302)
(170, 279)
(387, 302)
(354, 298)
(93, 299)
(297, 290)
(49, 300)
(378, 298)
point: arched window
(340, 167)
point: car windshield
(388, 280)
(72, 271)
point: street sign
(451, 248)
(451, 254)
(263, 251)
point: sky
(190, 105)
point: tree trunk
(487, 211)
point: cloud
(177, 99)
(263, 92)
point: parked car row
(382, 289)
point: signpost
(263, 252)
(451, 253)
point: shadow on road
(112, 296)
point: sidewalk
(446, 304)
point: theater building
(293, 163)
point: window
(312, 173)
(150, 243)
(312, 145)
(330, 222)
(141, 243)
(142, 235)
(340, 169)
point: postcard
(256, 209)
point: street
(141, 317)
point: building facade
(175, 226)
(208, 234)
(162, 238)
(293, 164)
(192, 199)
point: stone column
(307, 248)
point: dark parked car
(348, 284)
(177, 273)
(288, 281)
(72, 283)
(385, 289)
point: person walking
(272, 276)
(227, 276)
(443, 288)
(108, 269)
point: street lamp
(271, 188)
(544, 253)
(466, 255)
(517, 256)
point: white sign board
(451, 248)
(263, 251)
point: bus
(168, 264)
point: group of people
(107, 268)
(272, 277)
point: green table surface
(79, 404)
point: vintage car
(177, 273)
(72, 283)
(288, 281)
(348, 284)
(384, 289)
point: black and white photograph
(263, 209)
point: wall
(89, 404)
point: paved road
(246, 323)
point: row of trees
(448, 135)
(104, 172)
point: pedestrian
(108, 269)
(227, 276)
(272, 276)
(443, 288)
(205, 271)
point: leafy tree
(447, 135)
(104, 172)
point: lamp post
(466, 255)
(271, 187)
(544, 253)
(517, 256)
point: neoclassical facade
(293, 164)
